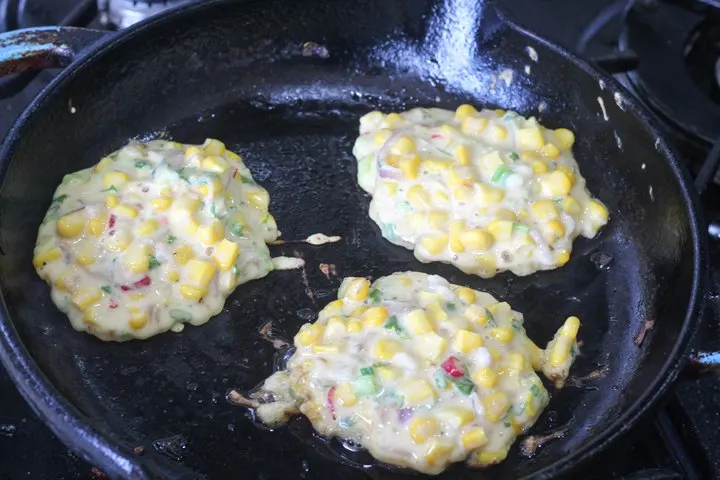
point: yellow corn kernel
(435, 244)
(455, 417)
(390, 188)
(335, 328)
(457, 176)
(358, 310)
(126, 211)
(191, 293)
(530, 405)
(410, 167)
(43, 258)
(114, 179)
(516, 361)
(544, 210)
(436, 312)
(474, 438)
(501, 230)
(464, 111)
(191, 151)
(565, 138)
(417, 322)
(554, 230)
(500, 310)
(417, 392)
(86, 253)
(214, 147)
(539, 167)
(502, 334)
(215, 163)
(597, 211)
(85, 297)
(403, 145)
(499, 112)
(476, 314)
(555, 184)
(309, 334)
(462, 154)
(430, 345)
(467, 341)
(437, 454)
(137, 258)
(355, 289)
(71, 225)
(530, 138)
(437, 220)
(138, 318)
(258, 199)
(393, 160)
(183, 254)
(147, 228)
(393, 119)
(463, 193)
(325, 349)
(225, 254)
(550, 150)
(562, 256)
(334, 307)
(494, 354)
(211, 233)
(476, 239)
(161, 203)
(423, 428)
(498, 133)
(427, 298)
(466, 294)
(386, 349)
(560, 351)
(473, 125)
(386, 373)
(111, 201)
(488, 195)
(354, 325)
(496, 405)
(437, 164)
(345, 396)
(440, 197)
(172, 276)
(120, 241)
(381, 137)
(485, 263)
(213, 187)
(199, 273)
(418, 197)
(569, 172)
(571, 206)
(491, 457)
(103, 164)
(570, 327)
(96, 226)
(485, 377)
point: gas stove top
(666, 52)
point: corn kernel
(191, 293)
(120, 241)
(476, 239)
(103, 164)
(565, 138)
(111, 201)
(539, 167)
(485, 377)
(410, 167)
(355, 289)
(211, 233)
(455, 417)
(560, 351)
(467, 341)
(138, 318)
(570, 327)
(437, 454)
(463, 193)
(571, 206)
(569, 172)
(430, 345)
(491, 457)
(597, 210)
(199, 273)
(417, 392)
(544, 210)
(114, 179)
(498, 133)
(381, 137)
(464, 111)
(550, 150)
(83, 298)
(213, 187)
(462, 154)
(418, 197)
(554, 230)
(502, 334)
(501, 230)
(436, 312)
(126, 211)
(555, 184)
(215, 163)
(147, 228)
(96, 226)
(183, 254)
(466, 294)
(496, 405)
(161, 203)
(417, 322)
(137, 258)
(192, 151)
(393, 119)
(474, 125)
(354, 325)
(476, 314)
(516, 361)
(335, 328)
(440, 197)
(390, 188)
(437, 220)
(386, 373)
(309, 334)
(334, 307)
(172, 276)
(474, 438)
(385, 349)
(530, 405)
(258, 199)
(43, 258)
(213, 147)
(225, 254)
(345, 396)
(423, 428)
(403, 145)
(86, 254)
(71, 225)
(485, 263)
(457, 176)
(435, 244)
(562, 256)
(488, 195)
(530, 138)
(325, 349)
(437, 164)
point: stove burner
(123, 13)
(678, 50)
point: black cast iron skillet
(284, 83)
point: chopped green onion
(106, 289)
(514, 156)
(518, 409)
(391, 397)
(520, 227)
(183, 176)
(212, 210)
(365, 385)
(180, 315)
(501, 173)
(506, 420)
(440, 379)
(463, 385)
(59, 199)
(111, 188)
(235, 270)
(388, 231)
(535, 390)
(154, 263)
(171, 239)
(236, 228)
(142, 164)
(445, 152)
(516, 325)
(491, 319)
(247, 180)
(375, 296)
(367, 371)
(450, 306)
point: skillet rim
(77, 431)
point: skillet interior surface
(244, 73)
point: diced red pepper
(331, 401)
(235, 173)
(143, 282)
(452, 367)
(111, 221)
(436, 137)
(113, 304)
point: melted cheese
(485, 191)
(420, 372)
(154, 236)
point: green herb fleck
(535, 390)
(440, 379)
(518, 409)
(450, 306)
(153, 262)
(171, 239)
(506, 421)
(520, 227)
(142, 164)
(391, 397)
(183, 175)
(180, 315)
(501, 174)
(445, 152)
(236, 228)
(246, 180)
(59, 199)
(367, 371)
(106, 289)
(235, 270)
(393, 324)
(463, 385)
(375, 296)
(514, 156)
(491, 319)
(516, 325)
(111, 188)
(212, 210)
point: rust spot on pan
(647, 326)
